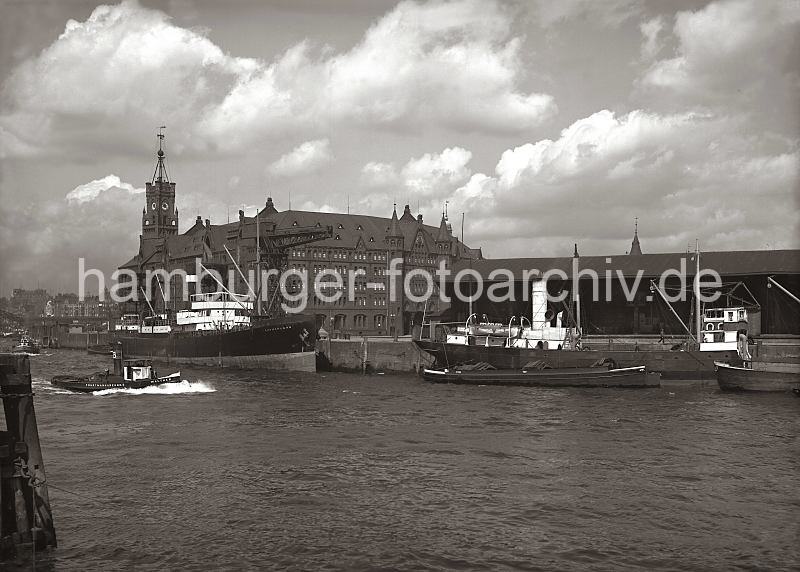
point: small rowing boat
(733, 378)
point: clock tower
(159, 216)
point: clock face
(153, 206)
(164, 206)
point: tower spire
(160, 174)
(636, 248)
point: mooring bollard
(23, 487)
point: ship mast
(698, 316)
(258, 266)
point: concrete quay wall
(81, 341)
(374, 354)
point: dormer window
(340, 226)
(359, 227)
(294, 223)
(318, 224)
(372, 239)
(337, 237)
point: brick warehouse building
(302, 240)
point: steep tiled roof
(349, 227)
(348, 230)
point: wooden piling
(23, 487)
(364, 357)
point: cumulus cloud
(455, 64)
(436, 174)
(117, 71)
(99, 221)
(684, 175)
(306, 158)
(376, 175)
(729, 48)
(610, 12)
(588, 145)
(91, 190)
(650, 31)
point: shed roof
(727, 263)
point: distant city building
(29, 303)
(70, 306)
(301, 240)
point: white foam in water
(165, 389)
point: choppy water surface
(337, 471)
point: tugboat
(27, 345)
(127, 374)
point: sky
(546, 123)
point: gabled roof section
(407, 216)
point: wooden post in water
(23, 488)
(364, 358)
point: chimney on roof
(208, 223)
(419, 218)
(241, 215)
(199, 220)
(576, 255)
(269, 208)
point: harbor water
(253, 470)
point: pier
(26, 521)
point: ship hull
(25, 349)
(732, 378)
(567, 377)
(673, 365)
(259, 345)
(102, 382)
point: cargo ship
(547, 339)
(219, 329)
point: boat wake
(166, 389)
